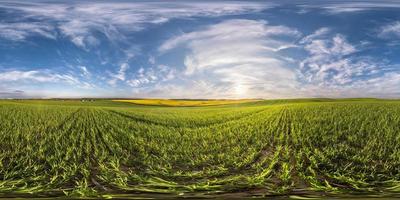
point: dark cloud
(12, 94)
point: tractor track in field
(116, 129)
(88, 144)
(268, 149)
(282, 134)
(96, 141)
(70, 117)
(298, 184)
(100, 135)
(61, 124)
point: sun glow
(240, 89)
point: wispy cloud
(28, 75)
(80, 32)
(386, 85)
(382, 86)
(334, 69)
(120, 75)
(330, 61)
(20, 31)
(241, 56)
(229, 30)
(337, 7)
(390, 31)
(85, 71)
(230, 51)
(79, 21)
(318, 33)
(151, 75)
(35, 76)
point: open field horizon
(190, 99)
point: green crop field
(294, 148)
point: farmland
(114, 149)
(171, 102)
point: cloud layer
(188, 49)
(81, 21)
(241, 56)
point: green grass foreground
(295, 148)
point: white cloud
(230, 30)
(382, 86)
(386, 85)
(233, 58)
(85, 71)
(240, 56)
(27, 75)
(80, 20)
(20, 31)
(35, 76)
(318, 33)
(152, 75)
(199, 89)
(338, 7)
(333, 69)
(390, 31)
(330, 61)
(152, 60)
(79, 32)
(120, 75)
(336, 46)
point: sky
(199, 49)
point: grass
(110, 149)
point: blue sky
(208, 49)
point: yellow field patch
(173, 102)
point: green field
(296, 148)
(186, 103)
